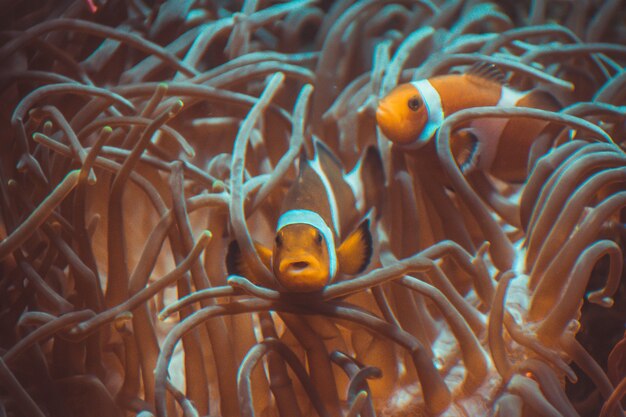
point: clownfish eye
(279, 239)
(318, 238)
(415, 103)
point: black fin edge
(233, 257)
(487, 71)
(372, 158)
(373, 165)
(367, 235)
(472, 159)
(321, 147)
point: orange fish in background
(316, 239)
(411, 113)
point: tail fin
(233, 259)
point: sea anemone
(141, 137)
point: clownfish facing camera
(411, 113)
(318, 211)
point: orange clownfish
(411, 113)
(309, 249)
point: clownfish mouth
(304, 273)
(305, 265)
(299, 266)
(384, 116)
(390, 123)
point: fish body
(411, 114)
(316, 238)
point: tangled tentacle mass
(139, 138)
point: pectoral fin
(236, 265)
(466, 150)
(355, 252)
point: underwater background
(140, 138)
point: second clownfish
(316, 239)
(411, 113)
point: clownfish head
(301, 260)
(411, 114)
(402, 114)
(304, 257)
(310, 248)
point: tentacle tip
(122, 320)
(598, 298)
(362, 394)
(107, 130)
(235, 281)
(73, 175)
(93, 7)
(76, 330)
(38, 137)
(191, 153)
(21, 165)
(91, 178)
(56, 226)
(279, 76)
(218, 186)
(482, 250)
(176, 107)
(206, 235)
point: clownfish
(315, 238)
(411, 113)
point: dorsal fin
(487, 71)
(325, 154)
(367, 181)
(373, 177)
(302, 160)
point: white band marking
(510, 97)
(432, 101)
(313, 219)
